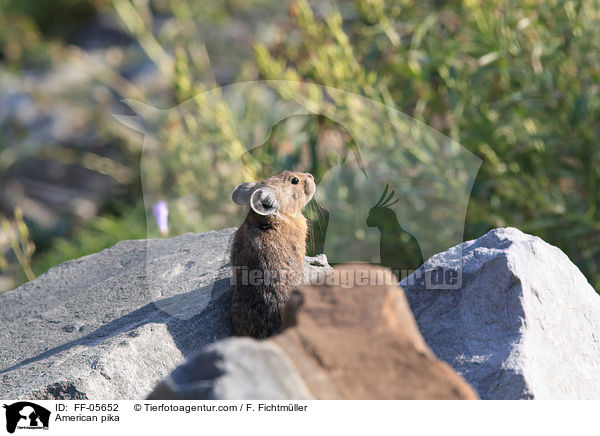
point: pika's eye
(295, 181)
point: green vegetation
(22, 248)
(515, 82)
(99, 233)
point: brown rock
(362, 342)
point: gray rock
(524, 325)
(113, 324)
(235, 369)
(314, 267)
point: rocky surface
(95, 328)
(113, 324)
(343, 342)
(235, 369)
(524, 325)
(362, 342)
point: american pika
(268, 250)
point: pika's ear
(241, 194)
(264, 201)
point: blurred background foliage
(514, 82)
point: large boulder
(524, 324)
(352, 337)
(113, 324)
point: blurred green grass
(515, 82)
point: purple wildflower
(160, 210)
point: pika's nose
(310, 186)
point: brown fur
(273, 243)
